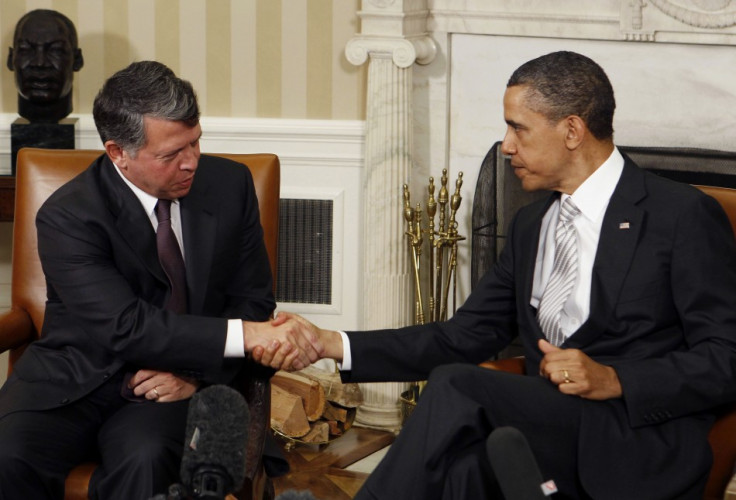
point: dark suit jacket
(663, 314)
(106, 288)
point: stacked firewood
(312, 405)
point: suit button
(106, 376)
(64, 401)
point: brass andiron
(441, 268)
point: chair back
(722, 435)
(41, 171)
(726, 197)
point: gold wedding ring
(155, 391)
(567, 376)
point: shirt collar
(593, 195)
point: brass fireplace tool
(441, 277)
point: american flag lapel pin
(624, 225)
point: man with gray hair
(157, 278)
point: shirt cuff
(234, 343)
(347, 360)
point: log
(319, 433)
(287, 413)
(347, 395)
(310, 391)
(335, 428)
(336, 413)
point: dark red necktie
(169, 254)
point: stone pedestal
(24, 134)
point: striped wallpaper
(245, 58)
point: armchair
(39, 173)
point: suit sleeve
(87, 293)
(481, 327)
(699, 373)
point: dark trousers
(138, 446)
(440, 452)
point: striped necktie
(564, 274)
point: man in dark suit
(624, 372)
(126, 342)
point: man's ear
(78, 60)
(10, 59)
(116, 154)
(575, 131)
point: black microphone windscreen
(216, 434)
(515, 467)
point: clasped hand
(288, 342)
(575, 373)
(162, 387)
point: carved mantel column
(393, 38)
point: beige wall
(245, 58)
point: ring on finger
(567, 376)
(155, 391)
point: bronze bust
(44, 58)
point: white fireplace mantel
(681, 21)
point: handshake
(290, 342)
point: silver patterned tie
(564, 274)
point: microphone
(213, 463)
(515, 468)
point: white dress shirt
(234, 343)
(592, 198)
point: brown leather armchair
(39, 173)
(722, 436)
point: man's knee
(20, 474)
(460, 377)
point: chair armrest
(254, 383)
(16, 329)
(511, 365)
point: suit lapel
(530, 229)
(131, 220)
(622, 225)
(199, 227)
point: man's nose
(507, 145)
(190, 159)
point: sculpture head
(44, 57)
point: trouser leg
(141, 447)
(458, 409)
(37, 451)
(39, 448)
